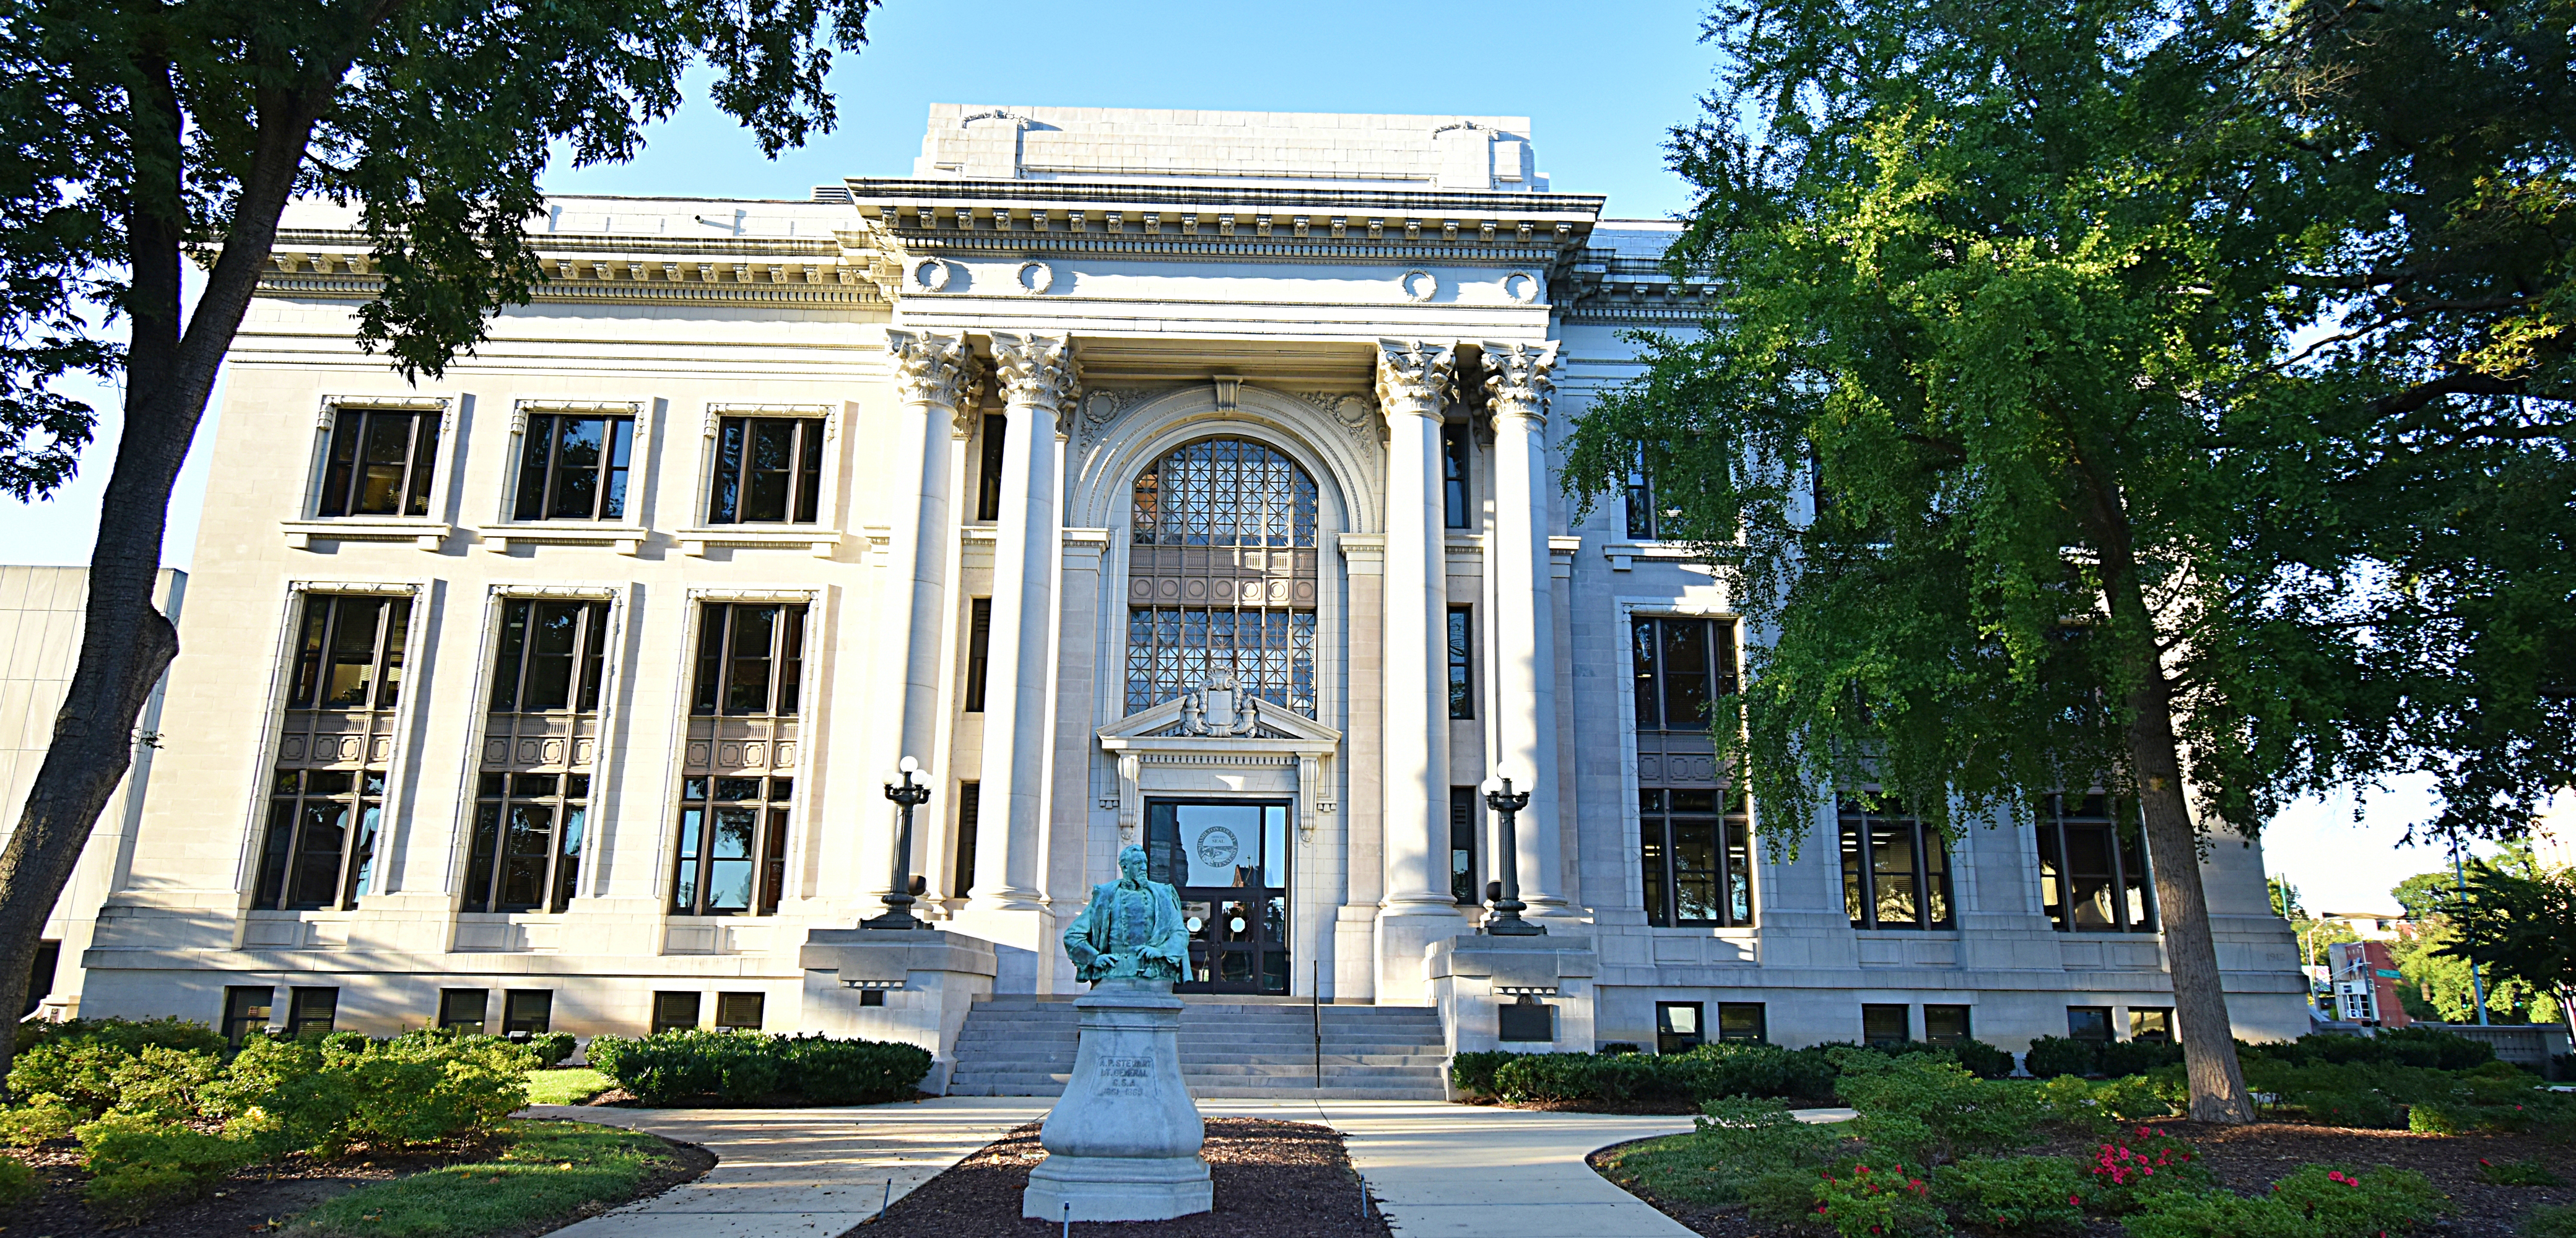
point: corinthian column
(1039, 382)
(1413, 388)
(933, 379)
(1524, 697)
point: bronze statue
(1132, 928)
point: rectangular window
(311, 1011)
(246, 1010)
(1945, 1025)
(750, 657)
(551, 656)
(1462, 664)
(527, 1012)
(988, 469)
(674, 1012)
(1886, 1025)
(380, 462)
(2088, 1022)
(2093, 866)
(349, 653)
(320, 849)
(1453, 476)
(970, 807)
(1698, 849)
(528, 831)
(1643, 522)
(979, 651)
(1678, 1028)
(1680, 666)
(574, 467)
(464, 1009)
(733, 845)
(740, 1010)
(2151, 1023)
(1896, 872)
(768, 470)
(1465, 822)
(1746, 1022)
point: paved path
(1435, 1169)
(796, 1173)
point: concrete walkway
(1435, 1169)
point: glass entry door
(1229, 862)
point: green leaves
(2523, 927)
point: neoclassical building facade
(1175, 478)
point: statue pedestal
(1123, 1142)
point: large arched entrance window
(1221, 579)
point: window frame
(809, 449)
(512, 1015)
(1457, 477)
(1669, 1039)
(387, 704)
(1905, 1014)
(1928, 881)
(969, 823)
(1659, 856)
(310, 652)
(732, 1019)
(1642, 518)
(2110, 1026)
(447, 1015)
(1459, 634)
(774, 825)
(1466, 824)
(788, 687)
(1721, 675)
(300, 1018)
(665, 1010)
(1761, 1022)
(238, 1015)
(1967, 1023)
(593, 637)
(361, 829)
(627, 416)
(992, 442)
(421, 471)
(979, 654)
(2123, 842)
(567, 832)
(1275, 647)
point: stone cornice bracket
(1517, 379)
(1038, 371)
(929, 368)
(1415, 378)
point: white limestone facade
(1184, 478)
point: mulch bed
(265, 1198)
(1273, 1180)
(2248, 1159)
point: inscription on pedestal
(1125, 1076)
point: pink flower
(2071, 1200)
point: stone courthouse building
(1184, 478)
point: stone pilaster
(1517, 386)
(934, 381)
(1414, 387)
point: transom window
(552, 655)
(574, 467)
(1896, 873)
(768, 470)
(733, 846)
(381, 460)
(350, 652)
(750, 655)
(1681, 665)
(1698, 850)
(2093, 867)
(527, 841)
(1222, 575)
(321, 843)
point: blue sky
(1601, 83)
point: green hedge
(1729, 1068)
(738, 1067)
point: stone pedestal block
(929, 979)
(1474, 976)
(1123, 1142)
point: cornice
(876, 192)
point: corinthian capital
(1038, 371)
(928, 369)
(1517, 382)
(1414, 378)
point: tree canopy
(2164, 398)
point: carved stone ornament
(1415, 378)
(1517, 381)
(1219, 707)
(1352, 412)
(928, 368)
(1038, 371)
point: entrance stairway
(1017, 1045)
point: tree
(2285, 899)
(149, 133)
(2521, 928)
(2131, 395)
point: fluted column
(1413, 389)
(1517, 384)
(933, 380)
(1039, 381)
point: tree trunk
(125, 643)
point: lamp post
(1506, 920)
(898, 910)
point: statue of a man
(1133, 927)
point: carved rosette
(1039, 372)
(1517, 381)
(1415, 378)
(928, 368)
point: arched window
(1222, 576)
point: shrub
(324, 1093)
(854, 1072)
(2051, 1056)
(1470, 1073)
(2529, 1172)
(2432, 1047)
(551, 1048)
(17, 1182)
(2549, 1221)
(1737, 1140)
(139, 1165)
(2141, 1165)
(1928, 1108)
(2357, 1108)
(1982, 1059)
(1623, 1046)
(2137, 1057)
(2013, 1195)
(131, 1035)
(1884, 1203)
(2316, 1202)
(1784, 1199)
(2421, 1047)
(41, 1119)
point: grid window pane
(1223, 580)
(1696, 845)
(2093, 866)
(750, 658)
(1895, 871)
(732, 847)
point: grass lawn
(569, 1086)
(550, 1169)
(1685, 1168)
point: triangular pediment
(1168, 722)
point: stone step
(1020, 1045)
